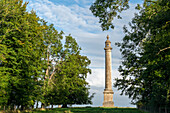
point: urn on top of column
(108, 44)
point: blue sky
(75, 18)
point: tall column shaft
(108, 70)
(108, 92)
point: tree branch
(163, 50)
(51, 77)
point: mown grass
(91, 110)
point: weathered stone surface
(108, 92)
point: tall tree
(21, 43)
(145, 49)
(74, 68)
(66, 82)
(51, 61)
(34, 64)
(65, 70)
(145, 69)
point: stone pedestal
(108, 92)
(108, 99)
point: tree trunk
(4, 108)
(15, 108)
(43, 106)
(37, 105)
(52, 106)
(18, 107)
(22, 107)
(32, 107)
(64, 106)
(166, 110)
(59, 106)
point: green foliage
(35, 66)
(145, 49)
(21, 44)
(50, 62)
(145, 68)
(107, 10)
(74, 68)
(65, 80)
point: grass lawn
(91, 110)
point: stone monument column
(108, 92)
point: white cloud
(84, 2)
(66, 17)
(97, 78)
(76, 1)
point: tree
(60, 85)
(144, 71)
(21, 43)
(66, 82)
(145, 50)
(74, 68)
(107, 10)
(50, 60)
(35, 65)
